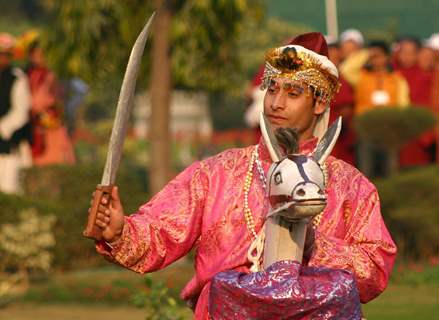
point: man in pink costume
(203, 207)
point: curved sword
(119, 130)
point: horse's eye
(278, 178)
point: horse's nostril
(321, 192)
(301, 192)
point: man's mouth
(276, 118)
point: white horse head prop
(297, 182)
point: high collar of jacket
(305, 147)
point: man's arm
(367, 248)
(165, 228)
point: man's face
(288, 104)
(407, 54)
(37, 57)
(426, 59)
(349, 47)
(5, 59)
(378, 59)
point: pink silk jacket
(203, 208)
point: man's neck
(308, 133)
(305, 136)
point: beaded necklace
(247, 184)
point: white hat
(432, 42)
(352, 35)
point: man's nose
(278, 102)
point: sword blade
(124, 106)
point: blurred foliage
(157, 300)
(215, 46)
(259, 36)
(227, 111)
(92, 39)
(18, 253)
(409, 206)
(392, 127)
(205, 39)
(25, 247)
(89, 38)
(65, 192)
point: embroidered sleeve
(367, 248)
(165, 228)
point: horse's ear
(327, 143)
(269, 138)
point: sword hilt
(91, 229)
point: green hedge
(65, 191)
(392, 127)
(409, 203)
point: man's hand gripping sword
(104, 190)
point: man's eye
(271, 90)
(293, 94)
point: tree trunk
(160, 99)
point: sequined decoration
(285, 290)
(308, 72)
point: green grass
(405, 302)
(113, 285)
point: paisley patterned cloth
(202, 208)
(286, 290)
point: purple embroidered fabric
(286, 290)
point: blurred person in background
(405, 61)
(351, 42)
(427, 58)
(406, 56)
(51, 142)
(433, 43)
(75, 92)
(14, 118)
(353, 55)
(342, 105)
(378, 86)
(255, 100)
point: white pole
(331, 18)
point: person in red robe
(51, 142)
(430, 63)
(342, 105)
(418, 151)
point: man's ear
(319, 107)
